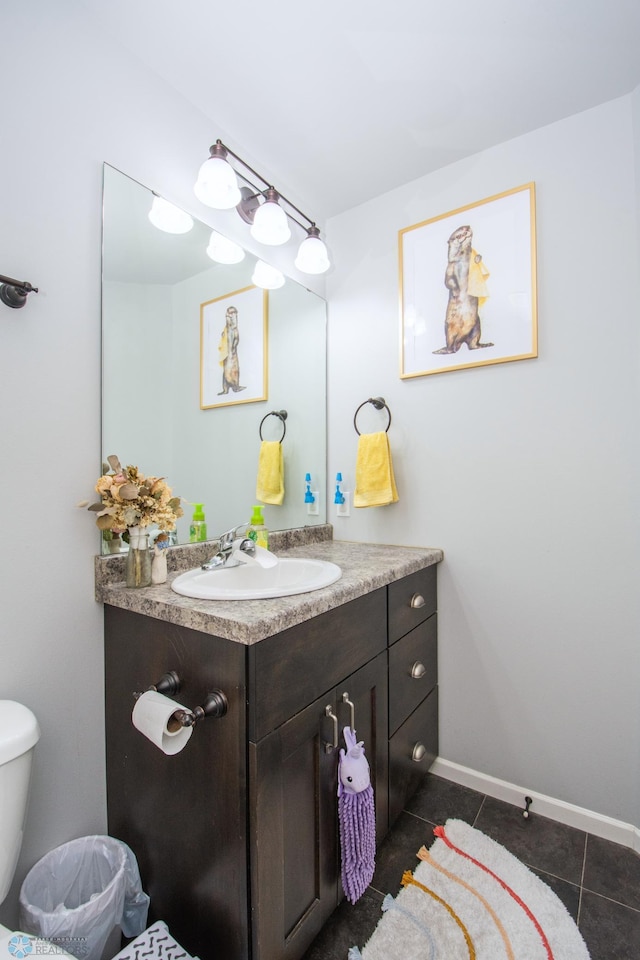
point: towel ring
(379, 404)
(282, 415)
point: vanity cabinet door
(294, 848)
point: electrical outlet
(313, 509)
(344, 509)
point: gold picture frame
(468, 286)
(233, 348)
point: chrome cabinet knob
(417, 601)
(419, 752)
(418, 670)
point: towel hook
(379, 404)
(282, 415)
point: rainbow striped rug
(470, 899)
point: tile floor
(598, 881)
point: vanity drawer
(411, 600)
(412, 750)
(291, 669)
(413, 670)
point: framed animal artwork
(233, 348)
(468, 286)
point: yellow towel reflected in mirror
(270, 483)
(375, 482)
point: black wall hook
(14, 293)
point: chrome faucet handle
(225, 544)
(226, 539)
(247, 546)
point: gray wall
(525, 474)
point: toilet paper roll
(153, 716)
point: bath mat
(470, 899)
(155, 943)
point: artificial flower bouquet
(129, 499)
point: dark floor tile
(537, 841)
(351, 925)
(438, 800)
(398, 850)
(568, 893)
(612, 870)
(610, 930)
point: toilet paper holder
(215, 704)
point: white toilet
(19, 733)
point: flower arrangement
(129, 499)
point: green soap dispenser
(257, 530)
(198, 527)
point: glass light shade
(217, 185)
(270, 224)
(266, 276)
(165, 216)
(223, 250)
(312, 256)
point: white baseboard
(579, 817)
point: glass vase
(138, 567)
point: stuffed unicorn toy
(357, 818)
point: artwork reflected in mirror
(233, 340)
(153, 404)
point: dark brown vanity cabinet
(237, 835)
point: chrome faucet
(228, 545)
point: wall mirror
(153, 286)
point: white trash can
(76, 894)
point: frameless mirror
(155, 286)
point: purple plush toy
(357, 818)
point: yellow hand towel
(270, 484)
(375, 483)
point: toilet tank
(19, 733)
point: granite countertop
(365, 567)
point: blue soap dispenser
(308, 495)
(311, 497)
(342, 499)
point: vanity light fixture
(263, 207)
(266, 276)
(270, 224)
(216, 185)
(312, 253)
(223, 250)
(169, 218)
(14, 293)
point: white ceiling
(339, 101)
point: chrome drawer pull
(352, 711)
(418, 670)
(328, 711)
(417, 601)
(419, 752)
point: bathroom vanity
(237, 835)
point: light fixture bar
(263, 207)
(270, 186)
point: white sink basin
(290, 575)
